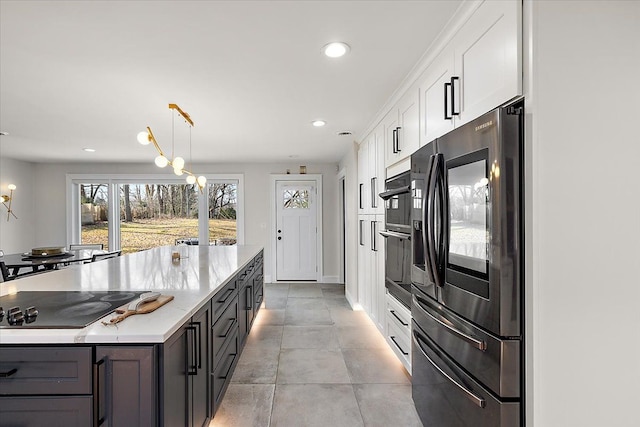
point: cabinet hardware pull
(395, 141)
(191, 365)
(374, 201)
(232, 321)
(398, 317)
(198, 341)
(249, 298)
(8, 373)
(360, 202)
(479, 344)
(233, 357)
(446, 102)
(477, 400)
(393, 338)
(453, 96)
(97, 407)
(398, 129)
(361, 233)
(228, 293)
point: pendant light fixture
(8, 198)
(177, 163)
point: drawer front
(45, 370)
(223, 298)
(223, 330)
(399, 341)
(224, 370)
(493, 361)
(46, 411)
(399, 315)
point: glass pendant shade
(177, 171)
(11, 187)
(143, 138)
(202, 181)
(178, 163)
(191, 179)
(161, 161)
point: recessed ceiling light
(318, 123)
(336, 49)
(89, 150)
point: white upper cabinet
(371, 173)
(478, 70)
(488, 60)
(402, 128)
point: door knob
(279, 231)
(279, 238)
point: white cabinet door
(380, 290)
(433, 121)
(363, 178)
(364, 262)
(373, 181)
(488, 59)
(390, 125)
(409, 124)
(381, 170)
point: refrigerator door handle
(425, 228)
(479, 344)
(475, 399)
(432, 255)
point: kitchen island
(169, 367)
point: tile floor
(312, 361)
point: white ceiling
(77, 74)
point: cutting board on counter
(124, 312)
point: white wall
(51, 193)
(349, 163)
(18, 235)
(583, 232)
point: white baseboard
(330, 279)
(353, 302)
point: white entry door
(296, 230)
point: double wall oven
(397, 233)
(467, 273)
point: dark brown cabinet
(186, 391)
(125, 386)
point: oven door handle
(389, 194)
(475, 399)
(401, 236)
(479, 344)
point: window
(133, 213)
(94, 214)
(296, 199)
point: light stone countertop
(192, 282)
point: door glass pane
(296, 199)
(468, 235)
(157, 215)
(222, 213)
(94, 214)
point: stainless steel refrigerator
(467, 273)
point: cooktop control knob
(15, 316)
(31, 312)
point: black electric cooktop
(60, 309)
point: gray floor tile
(278, 286)
(274, 302)
(245, 405)
(348, 317)
(357, 336)
(331, 286)
(304, 366)
(276, 293)
(262, 336)
(312, 405)
(374, 366)
(306, 303)
(383, 405)
(257, 365)
(333, 292)
(309, 337)
(294, 316)
(303, 291)
(270, 317)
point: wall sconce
(4, 198)
(177, 163)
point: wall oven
(397, 237)
(467, 274)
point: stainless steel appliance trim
(475, 399)
(479, 344)
(401, 236)
(389, 194)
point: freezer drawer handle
(393, 338)
(393, 312)
(401, 236)
(479, 344)
(475, 399)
